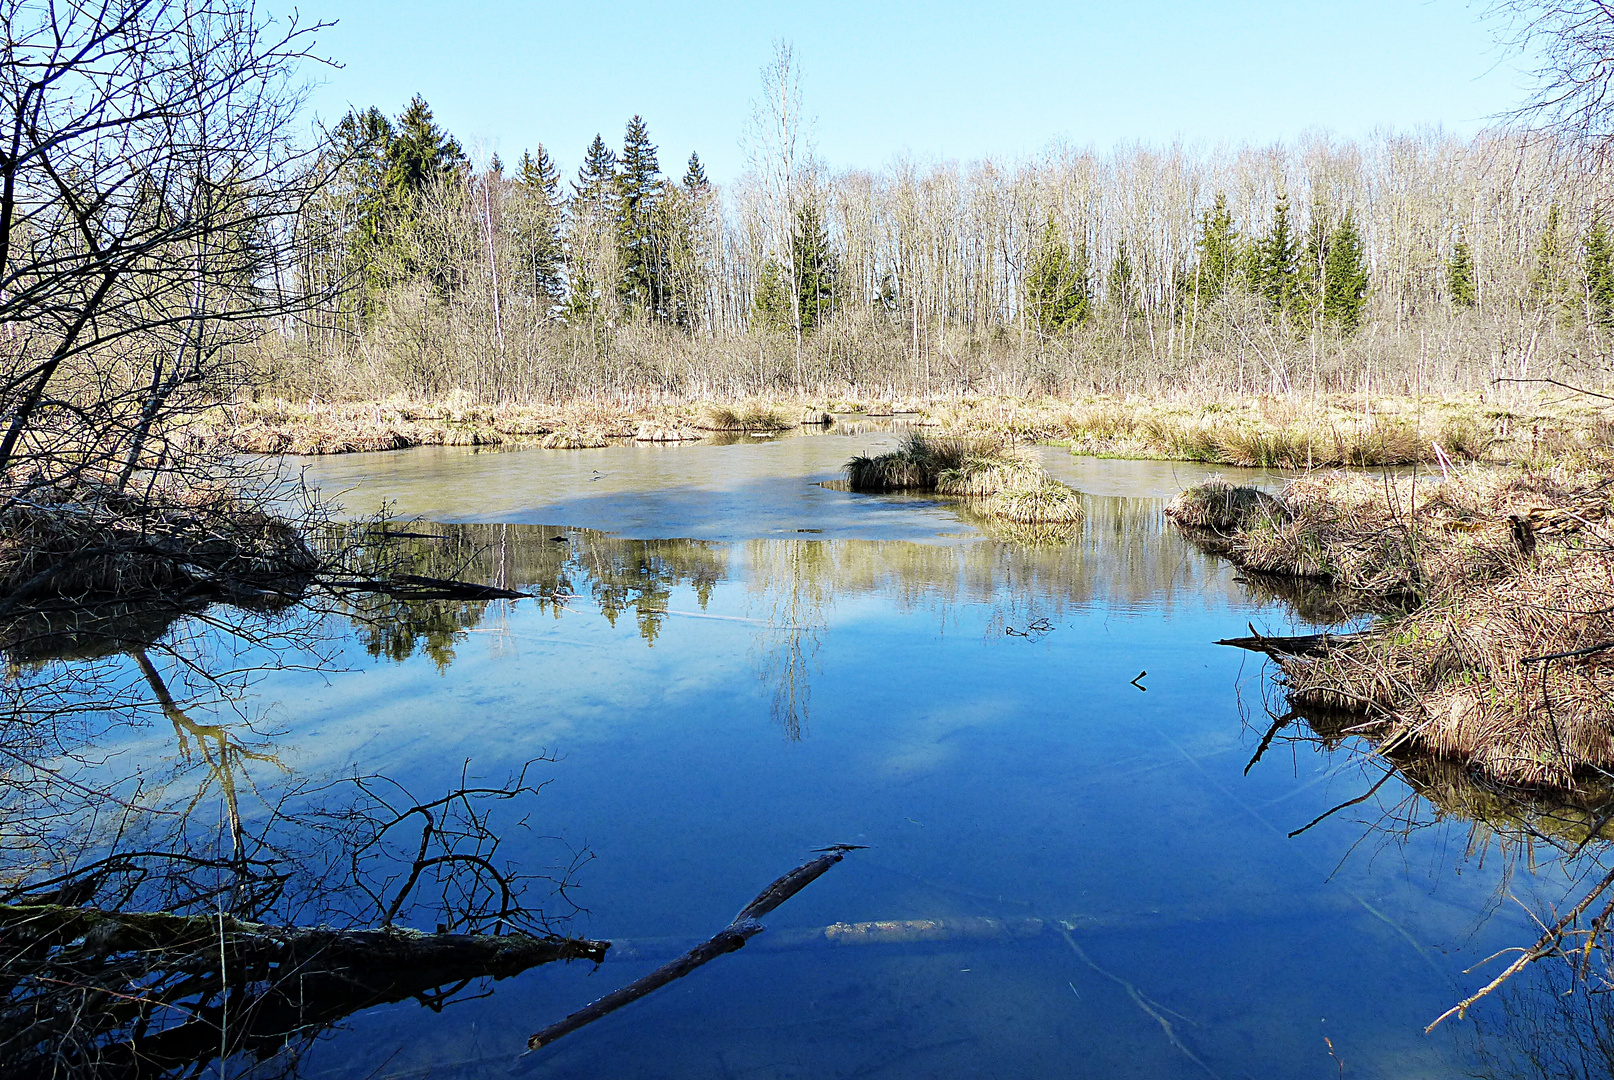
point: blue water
(742, 693)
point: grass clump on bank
(1002, 483)
(1496, 650)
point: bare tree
(148, 181)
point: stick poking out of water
(731, 937)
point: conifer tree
(770, 303)
(1461, 287)
(1345, 278)
(592, 240)
(1218, 251)
(360, 152)
(817, 268)
(420, 152)
(1598, 268)
(1057, 290)
(1547, 277)
(1122, 284)
(1276, 260)
(695, 174)
(638, 188)
(538, 228)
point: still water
(737, 665)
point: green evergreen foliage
(1598, 267)
(1058, 293)
(817, 268)
(817, 278)
(596, 177)
(420, 152)
(1218, 250)
(1345, 276)
(770, 303)
(1276, 261)
(1549, 274)
(1461, 286)
(1121, 287)
(695, 174)
(538, 226)
(638, 190)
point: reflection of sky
(990, 774)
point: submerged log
(730, 938)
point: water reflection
(203, 901)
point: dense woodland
(1404, 262)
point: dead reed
(1497, 586)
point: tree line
(1169, 250)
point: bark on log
(1292, 645)
(727, 940)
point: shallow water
(748, 666)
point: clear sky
(938, 80)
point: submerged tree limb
(1544, 946)
(730, 938)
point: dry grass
(1001, 483)
(748, 416)
(89, 541)
(1047, 503)
(1491, 570)
(965, 466)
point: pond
(732, 666)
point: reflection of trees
(163, 904)
(793, 581)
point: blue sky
(937, 80)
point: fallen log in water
(878, 932)
(730, 938)
(1291, 645)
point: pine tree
(538, 230)
(638, 191)
(1548, 274)
(1218, 250)
(1277, 262)
(420, 152)
(1057, 290)
(817, 268)
(695, 174)
(1460, 284)
(1598, 267)
(1345, 279)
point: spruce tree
(1277, 260)
(1461, 287)
(770, 303)
(592, 240)
(638, 188)
(596, 177)
(360, 149)
(1121, 287)
(1547, 275)
(538, 229)
(817, 268)
(1218, 251)
(695, 174)
(420, 152)
(1057, 289)
(1598, 268)
(1345, 279)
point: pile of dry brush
(82, 542)
(1496, 649)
